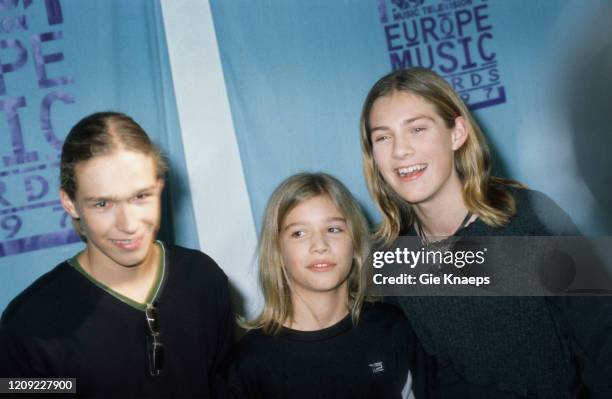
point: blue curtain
(61, 60)
(297, 73)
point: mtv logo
(401, 5)
(406, 4)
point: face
(413, 149)
(316, 247)
(118, 204)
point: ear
(460, 133)
(68, 204)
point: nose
(125, 220)
(319, 243)
(402, 147)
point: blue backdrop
(298, 71)
(59, 62)
(537, 75)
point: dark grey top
(509, 347)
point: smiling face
(316, 247)
(118, 204)
(414, 149)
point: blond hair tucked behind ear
(484, 195)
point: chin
(133, 259)
(130, 262)
(413, 197)
(328, 286)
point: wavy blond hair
(483, 194)
(272, 276)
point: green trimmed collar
(153, 293)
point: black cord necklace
(442, 245)
(425, 241)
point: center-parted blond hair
(483, 194)
(272, 276)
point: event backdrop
(297, 73)
(244, 93)
(61, 60)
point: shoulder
(255, 338)
(254, 362)
(386, 325)
(383, 316)
(254, 347)
(382, 311)
(194, 263)
(194, 276)
(533, 199)
(538, 214)
(45, 295)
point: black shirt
(65, 325)
(370, 360)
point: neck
(316, 311)
(133, 282)
(441, 215)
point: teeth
(411, 169)
(319, 265)
(123, 241)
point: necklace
(441, 245)
(425, 240)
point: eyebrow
(115, 198)
(404, 122)
(332, 219)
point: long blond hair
(272, 277)
(483, 194)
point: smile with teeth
(411, 170)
